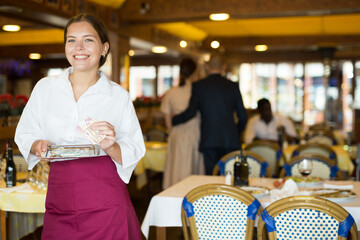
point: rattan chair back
(217, 211)
(270, 151)
(323, 167)
(258, 167)
(156, 133)
(316, 148)
(321, 136)
(306, 217)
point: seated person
(267, 126)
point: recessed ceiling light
(183, 44)
(11, 28)
(34, 56)
(261, 48)
(219, 16)
(158, 49)
(215, 44)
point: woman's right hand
(39, 147)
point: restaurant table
(154, 159)
(25, 211)
(343, 158)
(165, 208)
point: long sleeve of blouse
(53, 114)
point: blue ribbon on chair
(221, 165)
(344, 226)
(287, 169)
(264, 165)
(253, 209)
(268, 220)
(295, 153)
(278, 155)
(333, 170)
(188, 207)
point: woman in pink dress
(182, 157)
(87, 197)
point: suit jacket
(217, 98)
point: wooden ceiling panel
(319, 25)
(32, 37)
(342, 24)
(109, 3)
(189, 10)
(184, 30)
(297, 25)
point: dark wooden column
(120, 45)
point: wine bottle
(10, 170)
(237, 171)
(280, 130)
(244, 171)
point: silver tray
(71, 151)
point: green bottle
(244, 171)
(10, 170)
(237, 171)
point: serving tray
(71, 151)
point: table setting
(24, 204)
(164, 208)
(343, 158)
(336, 191)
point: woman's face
(83, 47)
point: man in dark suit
(217, 98)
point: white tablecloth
(165, 208)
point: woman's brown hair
(187, 68)
(97, 25)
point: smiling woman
(87, 197)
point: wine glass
(305, 167)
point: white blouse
(256, 127)
(53, 114)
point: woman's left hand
(108, 130)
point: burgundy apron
(87, 200)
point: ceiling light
(215, 44)
(219, 16)
(158, 49)
(11, 28)
(131, 53)
(34, 56)
(183, 44)
(261, 48)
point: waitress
(87, 198)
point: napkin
(332, 186)
(290, 188)
(23, 188)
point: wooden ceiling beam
(35, 12)
(158, 11)
(284, 41)
(23, 51)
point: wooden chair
(321, 136)
(323, 167)
(316, 148)
(217, 211)
(270, 151)
(156, 133)
(258, 167)
(321, 127)
(306, 217)
(20, 162)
